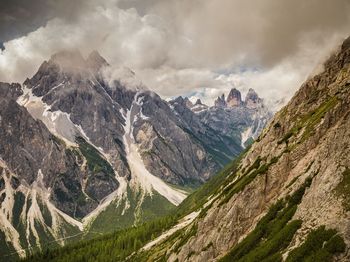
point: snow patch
(57, 122)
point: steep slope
(288, 196)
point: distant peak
(252, 99)
(234, 98)
(234, 90)
(220, 101)
(198, 102)
(252, 94)
(252, 91)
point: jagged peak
(252, 99)
(183, 101)
(198, 102)
(220, 101)
(252, 94)
(179, 99)
(234, 98)
(234, 91)
(188, 102)
(252, 91)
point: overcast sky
(180, 47)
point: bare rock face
(198, 102)
(165, 138)
(220, 101)
(10, 91)
(252, 100)
(234, 98)
(30, 149)
(306, 141)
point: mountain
(242, 121)
(82, 154)
(286, 198)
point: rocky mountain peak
(252, 99)
(220, 101)
(198, 102)
(183, 101)
(188, 103)
(234, 98)
(95, 61)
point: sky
(199, 48)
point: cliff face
(300, 159)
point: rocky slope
(287, 198)
(81, 154)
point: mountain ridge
(91, 153)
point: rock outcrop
(234, 98)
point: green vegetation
(343, 189)
(95, 160)
(309, 121)
(197, 199)
(4, 245)
(250, 174)
(186, 236)
(111, 247)
(319, 246)
(272, 234)
(117, 217)
(222, 154)
(17, 208)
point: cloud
(187, 47)
(19, 17)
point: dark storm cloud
(19, 17)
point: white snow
(57, 122)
